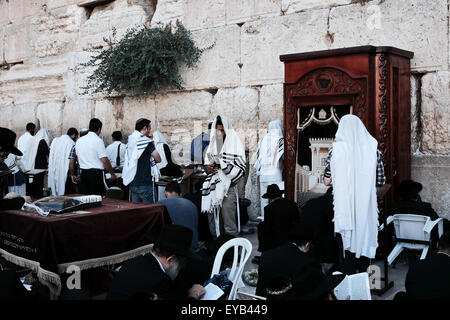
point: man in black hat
(151, 276)
(311, 284)
(429, 279)
(279, 215)
(409, 202)
(286, 260)
(7, 139)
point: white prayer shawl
(270, 150)
(23, 145)
(42, 134)
(160, 141)
(137, 142)
(353, 173)
(58, 164)
(231, 158)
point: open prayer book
(213, 292)
(356, 286)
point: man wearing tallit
(23, 143)
(58, 162)
(226, 158)
(268, 160)
(38, 152)
(137, 169)
(356, 170)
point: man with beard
(152, 276)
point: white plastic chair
(412, 232)
(238, 267)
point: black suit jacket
(140, 277)
(317, 215)
(414, 207)
(429, 279)
(278, 219)
(282, 261)
(11, 287)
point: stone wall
(42, 41)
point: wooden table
(49, 245)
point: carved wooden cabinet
(320, 87)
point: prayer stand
(320, 87)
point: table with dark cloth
(115, 232)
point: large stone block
(16, 116)
(96, 28)
(41, 82)
(415, 25)
(56, 31)
(263, 41)
(271, 103)
(16, 45)
(434, 174)
(76, 74)
(183, 105)
(292, 6)
(239, 11)
(240, 106)
(435, 115)
(168, 11)
(136, 108)
(83, 109)
(50, 116)
(202, 14)
(20, 9)
(52, 4)
(119, 15)
(111, 113)
(2, 45)
(4, 12)
(219, 65)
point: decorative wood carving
(359, 77)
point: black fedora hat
(311, 284)
(176, 239)
(409, 188)
(7, 139)
(299, 231)
(273, 191)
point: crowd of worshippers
(300, 247)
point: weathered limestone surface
(435, 113)
(136, 108)
(219, 65)
(168, 11)
(272, 37)
(17, 42)
(270, 104)
(196, 17)
(119, 15)
(292, 6)
(2, 45)
(414, 25)
(50, 116)
(44, 81)
(239, 11)
(434, 174)
(20, 9)
(20, 115)
(56, 31)
(77, 113)
(4, 12)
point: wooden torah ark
(374, 81)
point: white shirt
(90, 149)
(111, 153)
(23, 144)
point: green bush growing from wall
(145, 60)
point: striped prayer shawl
(136, 145)
(232, 162)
